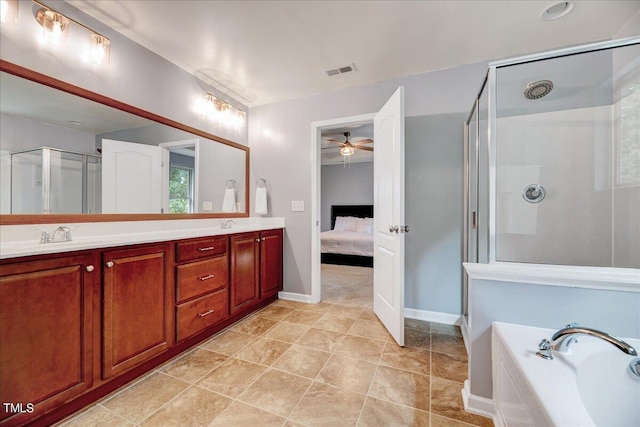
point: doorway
(346, 220)
(321, 221)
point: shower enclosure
(49, 180)
(552, 160)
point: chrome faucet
(226, 224)
(45, 237)
(561, 340)
(66, 234)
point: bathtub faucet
(561, 340)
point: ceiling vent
(335, 71)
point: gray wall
(433, 210)
(543, 306)
(345, 186)
(135, 75)
(280, 141)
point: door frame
(316, 214)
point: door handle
(404, 228)
(393, 228)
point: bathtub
(590, 386)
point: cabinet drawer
(200, 277)
(196, 315)
(188, 250)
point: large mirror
(67, 151)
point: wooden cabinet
(75, 327)
(270, 263)
(256, 267)
(202, 296)
(47, 320)
(245, 268)
(137, 307)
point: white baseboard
(410, 313)
(432, 316)
(293, 296)
(476, 404)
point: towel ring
(261, 181)
(231, 183)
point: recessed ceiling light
(556, 10)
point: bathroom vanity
(77, 324)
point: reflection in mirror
(64, 154)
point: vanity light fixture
(223, 112)
(100, 49)
(55, 26)
(8, 11)
(55, 29)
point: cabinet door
(137, 307)
(245, 265)
(270, 262)
(46, 326)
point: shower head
(536, 90)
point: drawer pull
(207, 277)
(208, 248)
(206, 313)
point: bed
(350, 240)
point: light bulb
(99, 52)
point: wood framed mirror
(62, 160)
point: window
(180, 189)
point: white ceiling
(267, 51)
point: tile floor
(294, 364)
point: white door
(388, 201)
(132, 177)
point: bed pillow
(345, 223)
(364, 225)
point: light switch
(207, 206)
(297, 205)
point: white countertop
(23, 240)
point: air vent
(341, 70)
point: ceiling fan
(348, 148)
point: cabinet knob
(89, 268)
(264, 238)
(258, 240)
(109, 264)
